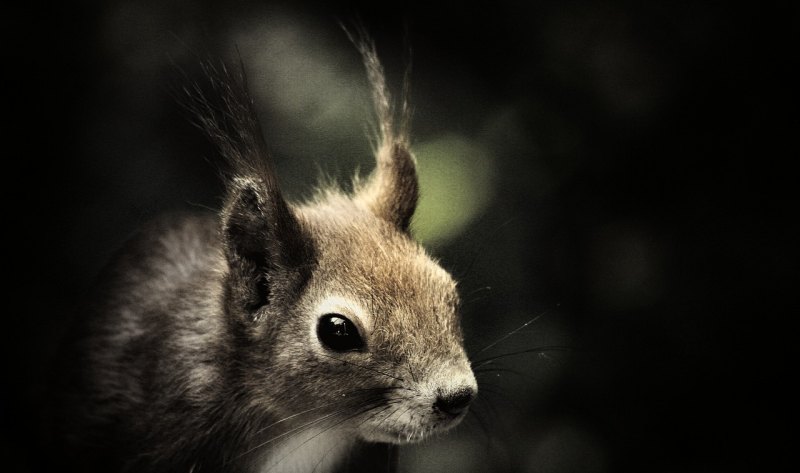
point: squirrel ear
(268, 254)
(391, 192)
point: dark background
(638, 201)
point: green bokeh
(456, 176)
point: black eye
(338, 333)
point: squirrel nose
(454, 402)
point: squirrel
(270, 336)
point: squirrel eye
(338, 333)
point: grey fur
(201, 355)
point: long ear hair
(268, 253)
(392, 190)
(227, 115)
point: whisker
(336, 402)
(494, 369)
(289, 432)
(476, 291)
(376, 414)
(401, 415)
(491, 390)
(379, 424)
(300, 428)
(509, 334)
(370, 403)
(478, 364)
(327, 452)
(389, 404)
(476, 295)
(296, 415)
(363, 367)
(342, 421)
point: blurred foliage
(456, 184)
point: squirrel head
(332, 304)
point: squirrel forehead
(366, 257)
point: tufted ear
(392, 190)
(269, 255)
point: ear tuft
(391, 192)
(269, 255)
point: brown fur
(201, 353)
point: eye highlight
(338, 333)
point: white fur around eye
(343, 306)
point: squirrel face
(332, 305)
(371, 333)
(395, 333)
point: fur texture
(202, 354)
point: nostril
(454, 402)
